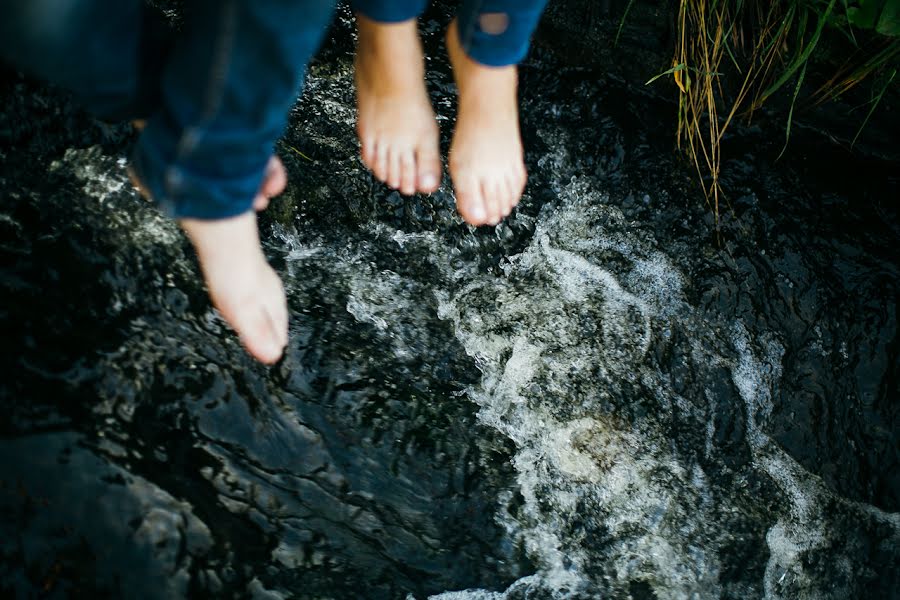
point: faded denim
(493, 32)
(215, 97)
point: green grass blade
(622, 22)
(785, 23)
(874, 106)
(804, 55)
(675, 69)
(302, 155)
(787, 131)
(734, 61)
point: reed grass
(732, 56)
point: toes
(493, 198)
(507, 204)
(428, 165)
(393, 178)
(513, 193)
(368, 153)
(281, 322)
(381, 161)
(521, 180)
(260, 203)
(515, 183)
(259, 335)
(262, 325)
(407, 173)
(469, 201)
(275, 179)
(278, 310)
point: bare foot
(241, 283)
(396, 125)
(486, 162)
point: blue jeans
(496, 33)
(216, 95)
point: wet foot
(486, 161)
(241, 284)
(397, 128)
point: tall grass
(732, 56)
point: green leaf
(881, 15)
(889, 22)
(674, 69)
(875, 103)
(787, 131)
(865, 15)
(622, 22)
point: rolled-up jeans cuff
(389, 11)
(503, 48)
(181, 192)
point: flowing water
(603, 397)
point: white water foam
(606, 501)
(587, 467)
(654, 508)
(806, 529)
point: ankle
(389, 56)
(487, 88)
(394, 42)
(234, 240)
(476, 83)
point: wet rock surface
(605, 396)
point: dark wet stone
(140, 444)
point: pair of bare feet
(398, 131)
(399, 139)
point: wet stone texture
(604, 397)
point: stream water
(604, 397)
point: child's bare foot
(486, 162)
(396, 125)
(241, 283)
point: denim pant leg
(498, 32)
(90, 47)
(389, 11)
(226, 89)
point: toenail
(429, 181)
(493, 23)
(478, 213)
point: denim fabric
(389, 11)
(497, 47)
(226, 92)
(83, 46)
(517, 20)
(216, 96)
